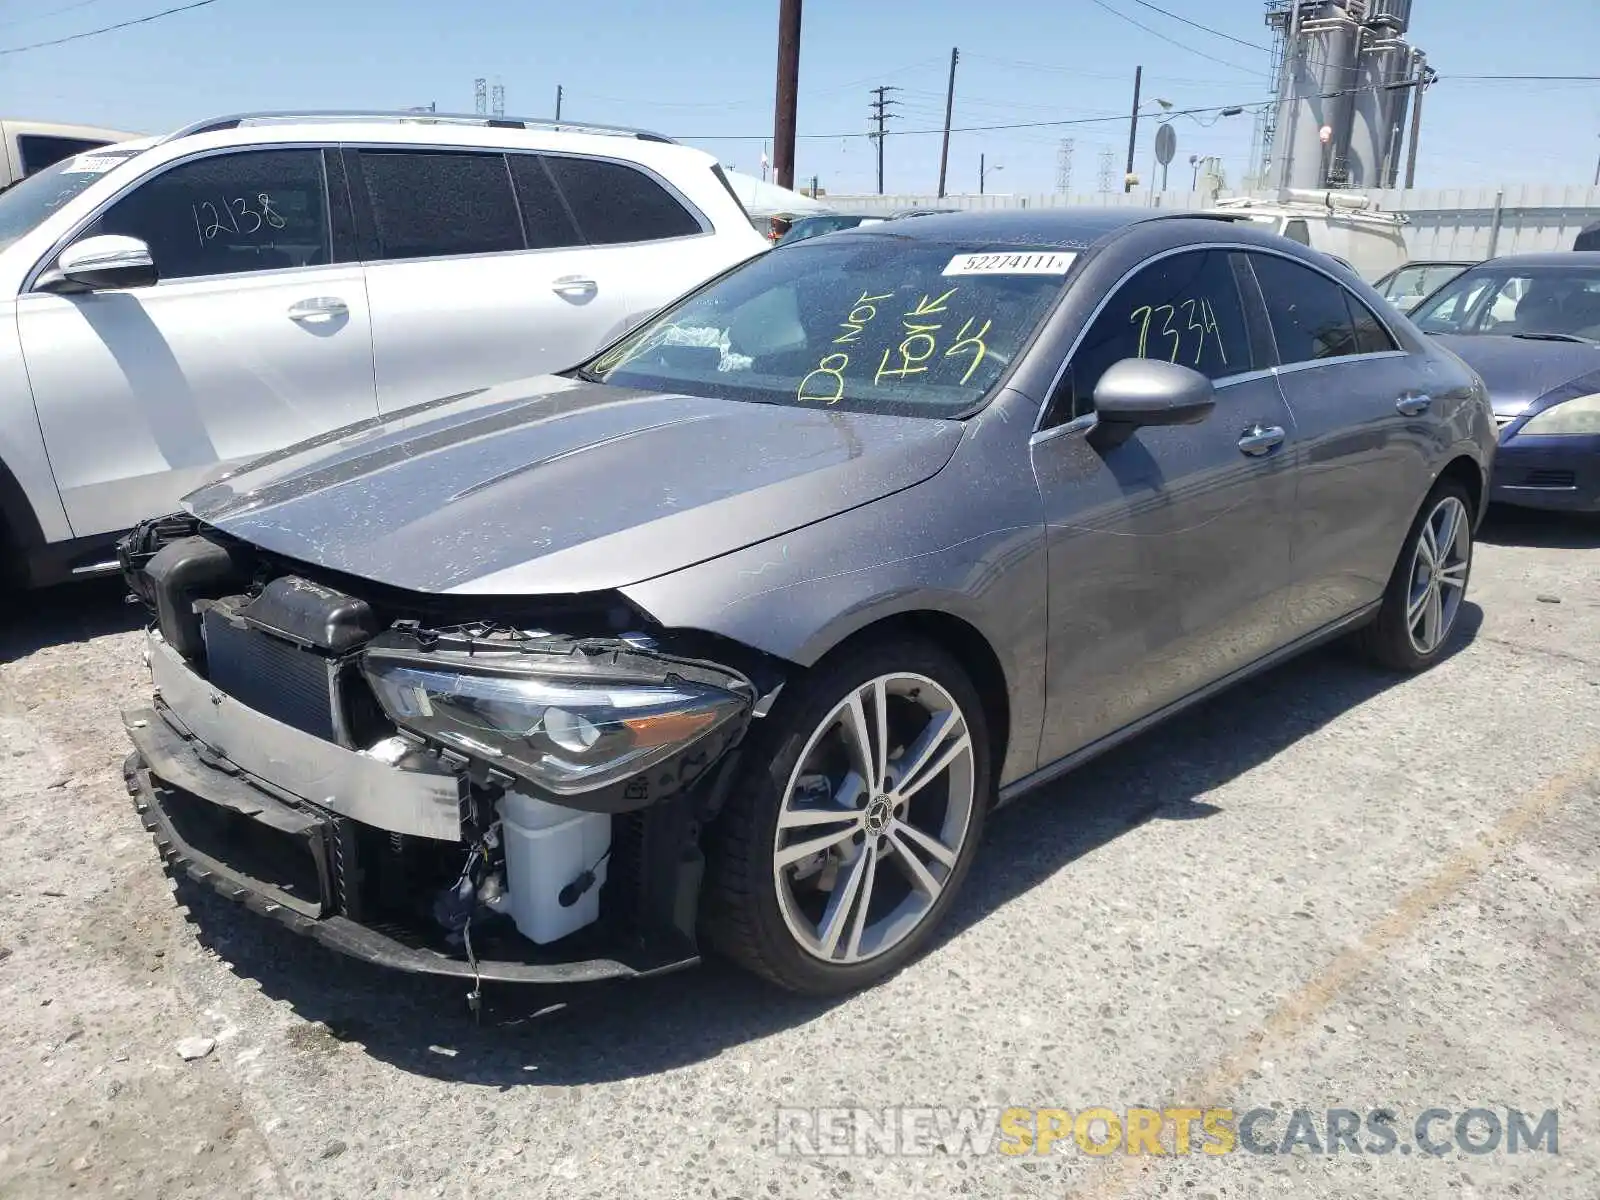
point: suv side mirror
(1148, 391)
(100, 263)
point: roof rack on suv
(411, 117)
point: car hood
(1521, 370)
(553, 485)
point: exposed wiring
(89, 33)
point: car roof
(429, 129)
(1549, 258)
(1069, 228)
(1075, 228)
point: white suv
(171, 304)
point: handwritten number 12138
(236, 216)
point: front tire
(854, 820)
(1422, 603)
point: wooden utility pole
(558, 102)
(1133, 129)
(949, 108)
(788, 92)
(881, 114)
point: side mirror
(101, 263)
(1147, 391)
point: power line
(1052, 68)
(1203, 110)
(166, 12)
(1174, 41)
(1227, 37)
(54, 12)
(1527, 78)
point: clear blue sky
(703, 71)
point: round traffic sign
(1166, 144)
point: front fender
(800, 595)
(29, 503)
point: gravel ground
(1328, 889)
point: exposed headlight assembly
(574, 718)
(1580, 415)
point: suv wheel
(855, 821)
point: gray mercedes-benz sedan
(732, 636)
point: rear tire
(1422, 604)
(841, 849)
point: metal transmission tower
(1108, 168)
(1064, 166)
(497, 99)
(880, 106)
(480, 96)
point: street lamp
(1231, 111)
(984, 169)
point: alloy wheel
(1439, 568)
(874, 818)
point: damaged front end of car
(495, 789)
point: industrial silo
(1379, 108)
(1322, 67)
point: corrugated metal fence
(1441, 223)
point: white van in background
(1346, 225)
(27, 147)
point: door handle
(1261, 439)
(1414, 404)
(318, 308)
(574, 286)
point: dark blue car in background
(1530, 325)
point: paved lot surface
(1330, 889)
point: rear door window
(616, 203)
(545, 218)
(1371, 336)
(1184, 308)
(250, 210)
(1311, 320)
(433, 204)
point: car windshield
(1553, 301)
(1413, 283)
(812, 227)
(868, 322)
(27, 203)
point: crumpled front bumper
(220, 812)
